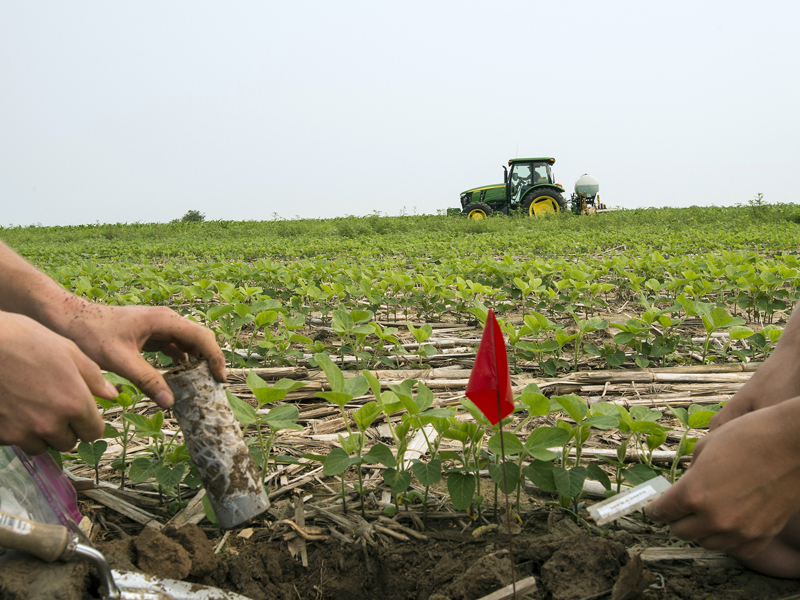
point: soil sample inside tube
(216, 445)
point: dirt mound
(446, 566)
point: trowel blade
(139, 586)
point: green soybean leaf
(540, 472)
(512, 444)
(398, 481)
(408, 404)
(647, 427)
(367, 414)
(605, 408)
(654, 440)
(511, 475)
(537, 403)
(178, 455)
(338, 398)
(439, 413)
(595, 473)
(105, 404)
(124, 400)
(282, 417)
(142, 424)
(380, 453)
(332, 372)
(209, 510)
(682, 414)
(262, 390)
(356, 386)
(573, 405)
(91, 453)
(642, 413)
(141, 469)
(449, 455)
(111, 432)
(602, 421)
(168, 476)
(542, 438)
(739, 332)
(52, 452)
(569, 483)
(286, 460)
(288, 384)
(374, 384)
(215, 312)
(701, 418)
(336, 463)
(424, 397)
(474, 411)
(157, 421)
(461, 487)
(686, 446)
(639, 473)
(428, 473)
(243, 412)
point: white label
(632, 499)
(620, 504)
(16, 525)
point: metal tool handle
(48, 542)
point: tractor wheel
(477, 210)
(541, 202)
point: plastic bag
(35, 488)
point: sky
(123, 112)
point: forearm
(790, 338)
(27, 291)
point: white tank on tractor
(587, 195)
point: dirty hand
(744, 484)
(115, 336)
(46, 388)
(778, 379)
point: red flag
(489, 385)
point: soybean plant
(281, 417)
(695, 418)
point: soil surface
(451, 564)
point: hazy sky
(123, 112)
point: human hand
(743, 486)
(778, 379)
(115, 336)
(46, 388)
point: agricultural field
(350, 343)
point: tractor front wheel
(542, 202)
(477, 210)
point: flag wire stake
(505, 493)
(505, 480)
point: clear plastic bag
(35, 488)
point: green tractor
(529, 186)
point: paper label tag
(626, 502)
(16, 525)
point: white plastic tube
(216, 445)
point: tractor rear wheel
(542, 202)
(477, 210)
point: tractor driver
(520, 179)
(540, 175)
(53, 345)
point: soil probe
(56, 542)
(216, 445)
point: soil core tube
(216, 445)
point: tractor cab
(526, 173)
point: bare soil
(451, 564)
